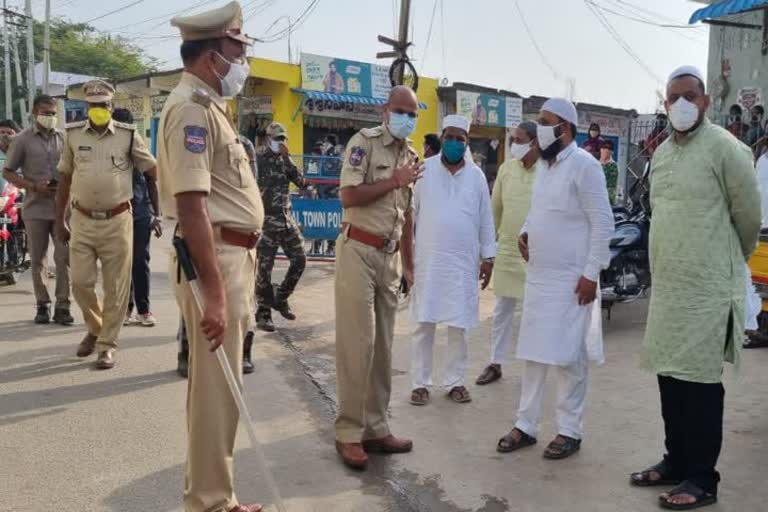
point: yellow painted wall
(279, 78)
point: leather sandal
(558, 451)
(702, 498)
(492, 373)
(508, 443)
(420, 396)
(643, 478)
(459, 394)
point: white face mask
(518, 151)
(47, 122)
(234, 81)
(546, 135)
(274, 145)
(683, 115)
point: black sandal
(558, 451)
(508, 444)
(702, 497)
(643, 478)
(756, 341)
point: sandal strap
(569, 444)
(510, 441)
(691, 489)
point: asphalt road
(76, 439)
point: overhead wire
(110, 13)
(429, 36)
(442, 40)
(535, 44)
(620, 41)
(302, 18)
(649, 22)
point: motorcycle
(628, 276)
(13, 237)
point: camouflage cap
(226, 21)
(276, 130)
(98, 91)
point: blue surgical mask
(454, 151)
(401, 125)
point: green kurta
(705, 224)
(511, 199)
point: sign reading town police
(319, 219)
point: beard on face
(552, 151)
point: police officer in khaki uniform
(376, 193)
(96, 168)
(206, 182)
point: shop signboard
(256, 105)
(342, 110)
(341, 76)
(489, 110)
(319, 219)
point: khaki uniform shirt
(36, 152)
(372, 156)
(199, 151)
(101, 164)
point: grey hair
(529, 127)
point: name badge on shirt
(84, 148)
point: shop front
(494, 115)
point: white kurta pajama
(454, 230)
(569, 228)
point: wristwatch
(489, 260)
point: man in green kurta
(706, 218)
(511, 200)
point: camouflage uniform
(279, 229)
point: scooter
(13, 237)
(758, 266)
(628, 276)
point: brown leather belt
(239, 239)
(102, 214)
(375, 241)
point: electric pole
(20, 82)
(31, 89)
(7, 65)
(400, 45)
(47, 46)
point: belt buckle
(99, 215)
(390, 246)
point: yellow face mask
(99, 116)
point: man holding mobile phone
(31, 164)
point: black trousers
(140, 274)
(693, 424)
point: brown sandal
(557, 451)
(420, 396)
(459, 394)
(491, 373)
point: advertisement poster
(514, 112)
(380, 81)
(483, 109)
(336, 76)
(748, 97)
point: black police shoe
(43, 315)
(264, 320)
(62, 316)
(247, 344)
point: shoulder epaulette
(201, 97)
(125, 126)
(77, 124)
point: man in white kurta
(454, 232)
(566, 238)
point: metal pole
(47, 46)
(31, 89)
(7, 64)
(19, 81)
(402, 38)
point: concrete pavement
(76, 439)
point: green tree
(78, 48)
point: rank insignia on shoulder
(356, 155)
(201, 97)
(195, 138)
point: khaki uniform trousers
(211, 411)
(39, 234)
(110, 241)
(366, 287)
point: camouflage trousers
(292, 243)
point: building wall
(741, 49)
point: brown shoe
(352, 455)
(389, 444)
(106, 360)
(254, 507)
(492, 373)
(87, 346)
